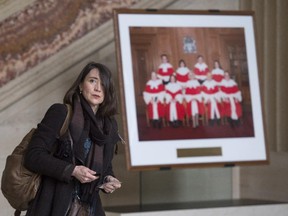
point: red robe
(231, 99)
(201, 71)
(164, 72)
(182, 75)
(174, 99)
(212, 98)
(217, 75)
(193, 97)
(154, 98)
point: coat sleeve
(38, 157)
(110, 149)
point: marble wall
(43, 28)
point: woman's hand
(84, 174)
(111, 184)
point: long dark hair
(109, 106)
(218, 64)
(181, 60)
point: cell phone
(97, 174)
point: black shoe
(154, 123)
(159, 124)
(211, 122)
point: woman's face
(200, 59)
(92, 89)
(164, 59)
(226, 76)
(153, 76)
(182, 64)
(216, 64)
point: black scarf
(99, 129)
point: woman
(165, 69)
(201, 69)
(232, 99)
(212, 98)
(175, 111)
(81, 163)
(153, 96)
(217, 72)
(182, 73)
(193, 97)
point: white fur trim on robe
(211, 84)
(165, 66)
(231, 84)
(201, 67)
(183, 71)
(173, 88)
(194, 83)
(148, 96)
(217, 71)
(154, 84)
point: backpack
(18, 184)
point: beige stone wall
(266, 182)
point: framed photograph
(189, 88)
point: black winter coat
(57, 186)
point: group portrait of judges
(182, 96)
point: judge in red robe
(182, 73)
(201, 69)
(154, 98)
(217, 72)
(175, 111)
(193, 97)
(212, 99)
(231, 99)
(165, 69)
